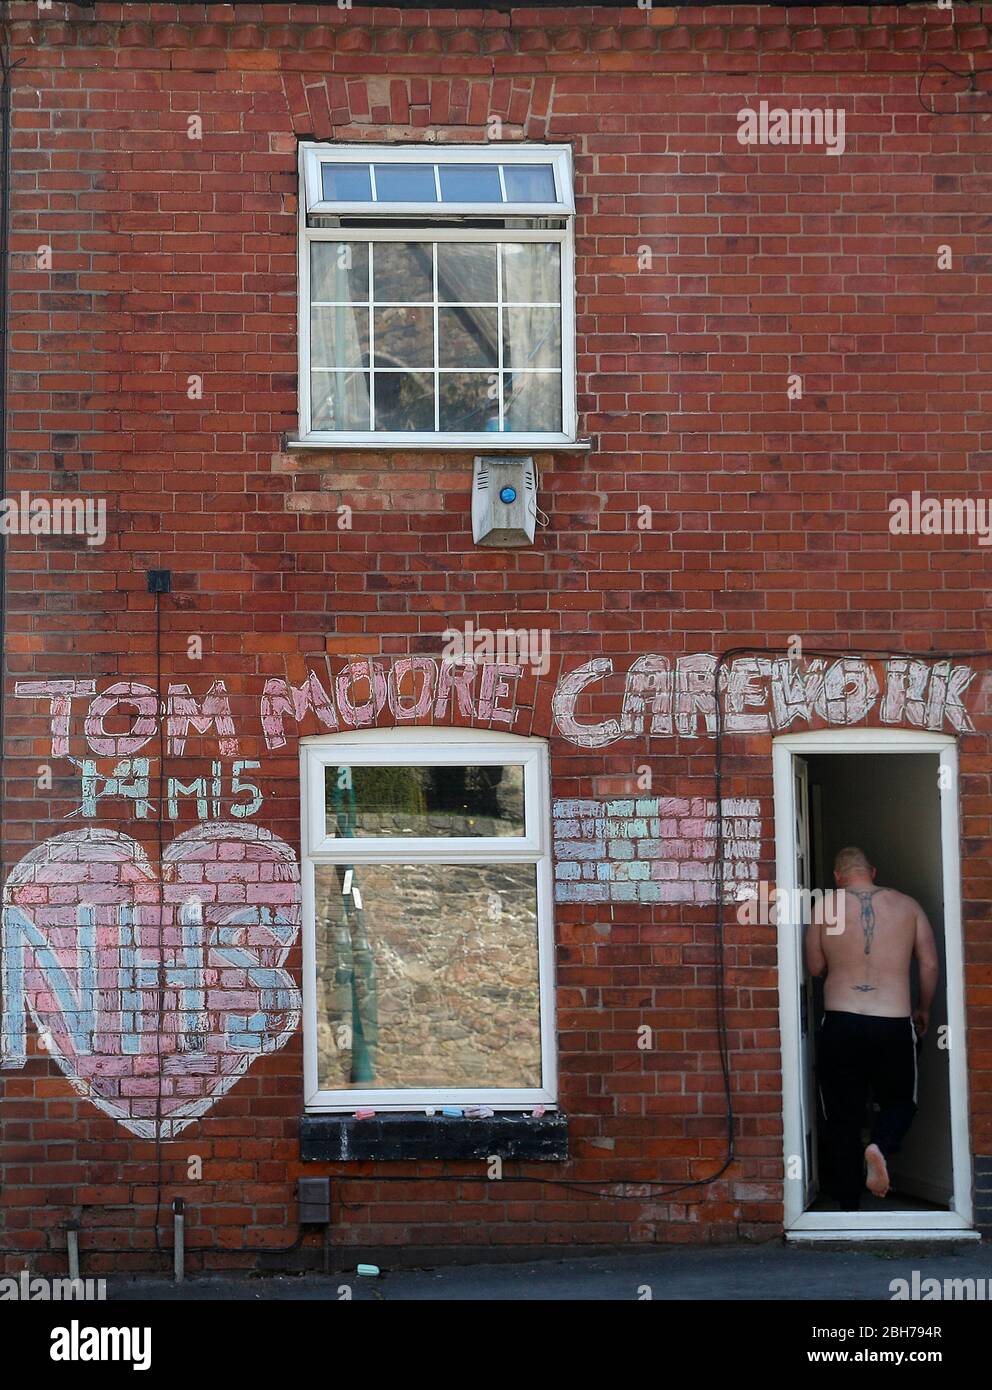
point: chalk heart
(154, 999)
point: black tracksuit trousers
(862, 1056)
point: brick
(176, 258)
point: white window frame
(312, 155)
(428, 748)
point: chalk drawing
(653, 850)
(152, 999)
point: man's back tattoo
(864, 897)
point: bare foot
(877, 1181)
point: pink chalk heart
(152, 998)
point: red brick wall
(173, 257)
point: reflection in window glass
(346, 183)
(427, 976)
(417, 183)
(404, 336)
(467, 337)
(450, 800)
(339, 271)
(470, 183)
(529, 183)
(404, 271)
(531, 337)
(405, 183)
(531, 273)
(532, 401)
(452, 329)
(339, 336)
(340, 401)
(466, 272)
(404, 401)
(468, 401)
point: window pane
(340, 400)
(346, 183)
(404, 337)
(403, 271)
(405, 183)
(469, 400)
(529, 183)
(466, 272)
(467, 337)
(339, 271)
(531, 273)
(424, 801)
(532, 402)
(531, 338)
(404, 401)
(427, 976)
(339, 336)
(470, 183)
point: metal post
(179, 1252)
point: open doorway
(893, 794)
(890, 808)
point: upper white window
(437, 295)
(428, 938)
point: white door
(802, 879)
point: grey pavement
(769, 1272)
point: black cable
(6, 70)
(969, 77)
(4, 328)
(160, 955)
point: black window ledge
(389, 1136)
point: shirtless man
(867, 1045)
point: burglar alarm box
(504, 501)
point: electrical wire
(970, 78)
(6, 70)
(160, 953)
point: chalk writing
(153, 999)
(762, 694)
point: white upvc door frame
(864, 1225)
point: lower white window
(429, 951)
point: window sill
(403, 1135)
(493, 445)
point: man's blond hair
(851, 860)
